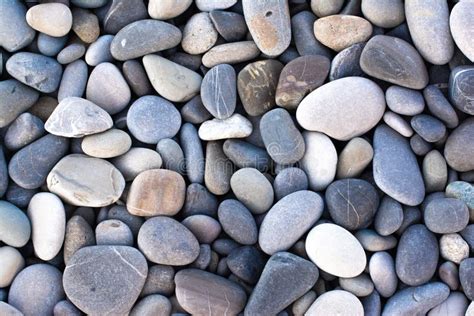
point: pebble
(16, 33)
(219, 92)
(199, 201)
(171, 154)
(341, 31)
(174, 245)
(449, 274)
(218, 170)
(288, 220)
(205, 5)
(428, 127)
(237, 222)
(160, 280)
(25, 129)
(193, 153)
(416, 300)
(113, 232)
(199, 34)
(319, 161)
(404, 101)
(247, 263)
(288, 181)
(435, 171)
(301, 305)
(459, 147)
(386, 14)
(41, 155)
(36, 290)
(460, 23)
(295, 82)
(230, 25)
(85, 181)
(105, 279)
(152, 305)
(78, 234)
(43, 107)
(382, 51)
(49, 45)
(18, 195)
(252, 189)
(455, 304)
(453, 248)
(349, 114)
(99, 51)
(466, 275)
(63, 308)
(53, 19)
(199, 291)
(107, 88)
(236, 126)
(11, 263)
(7, 309)
(108, 144)
(389, 217)
(360, 285)
(194, 111)
(419, 146)
(74, 80)
(172, 81)
(167, 9)
(372, 241)
(428, 22)
(269, 24)
(205, 228)
(85, 25)
(37, 71)
(89, 4)
(439, 106)
(463, 191)
(336, 302)
(77, 117)
(468, 235)
(396, 171)
(71, 53)
(303, 35)
(136, 161)
(354, 158)
(345, 258)
(230, 53)
(346, 63)
(121, 13)
(144, 37)
(48, 224)
(417, 255)
(151, 119)
(257, 84)
(398, 123)
(372, 304)
(3, 173)
(382, 273)
(285, 278)
(460, 88)
(324, 8)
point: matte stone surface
(237, 222)
(172, 155)
(371, 241)
(463, 191)
(78, 234)
(15, 227)
(289, 180)
(246, 155)
(336, 302)
(113, 232)
(404, 101)
(49, 45)
(247, 263)
(398, 123)
(382, 273)
(389, 216)
(346, 62)
(219, 91)
(354, 158)
(453, 247)
(439, 106)
(193, 153)
(15, 98)
(199, 201)
(123, 12)
(461, 91)
(459, 147)
(137, 160)
(326, 7)
(460, 23)
(25, 129)
(435, 171)
(252, 189)
(71, 53)
(3, 173)
(205, 228)
(74, 80)
(466, 275)
(85, 25)
(236, 126)
(230, 53)
(385, 13)
(16, 33)
(303, 35)
(53, 19)
(218, 169)
(168, 9)
(199, 34)
(428, 127)
(230, 25)
(99, 51)
(111, 143)
(194, 111)
(443, 216)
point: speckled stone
(289, 180)
(435, 171)
(113, 232)
(448, 215)
(453, 248)
(324, 8)
(160, 280)
(24, 130)
(237, 222)
(199, 34)
(78, 234)
(71, 53)
(16, 33)
(205, 228)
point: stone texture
(302, 31)
(167, 9)
(398, 123)
(53, 19)
(193, 153)
(460, 23)
(194, 111)
(108, 144)
(85, 25)
(439, 106)
(463, 191)
(219, 91)
(78, 234)
(172, 155)
(25, 129)
(336, 302)
(459, 147)
(460, 88)
(113, 232)
(199, 201)
(455, 304)
(230, 53)
(404, 101)
(99, 51)
(453, 247)
(382, 273)
(218, 169)
(11, 263)
(428, 127)
(230, 25)
(16, 33)
(386, 13)
(199, 34)
(389, 216)
(346, 63)
(289, 180)
(121, 13)
(435, 171)
(237, 222)
(252, 189)
(137, 160)
(71, 53)
(15, 98)
(324, 8)
(74, 80)
(160, 280)
(354, 158)
(372, 241)
(152, 305)
(236, 126)
(466, 275)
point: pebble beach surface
(236, 157)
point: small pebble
(252, 189)
(113, 232)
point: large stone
(461, 91)
(461, 26)
(384, 13)
(459, 147)
(252, 189)
(103, 280)
(336, 302)
(84, 181)
(15, 32)
(53, 19)
(219, 91)
(340, 110)
(15, 228)
(15, 98)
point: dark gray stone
(419, 146)
(246, 155)
(136, 77)
(74, 80)
(372, 304)
(199, 201)
(193, 153)
(89, 4)
(172, 155)
(71, 53)
(352, 203)
(389, 216)
(289, 180)
(218, 169)
(346, 63)
(428, 127)
(247, 263)
(219, 92)
(461, 88)
(79, 234)
(160, 280)
(49, 45)
(224, 246)
(203, 261)
(24, 130)
(466, 276)
(15, 98)
(37, 71)
(194, 111)
(3, 173)
(459, 147)
(205, 228)
(123, 12)
(439, 106)
(15, 33)
(255, 137)
(302, 28)
(468, 235)
(192, 62)
(40, 156)
(230, 25)
(446, 215)
(120, 212)
(417, 255)
(19, 196)
(237, 222)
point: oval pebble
(25, 129)
(404, 101)
(237, 222)
(389, 216)
(199, 34)
(11, 263)
(18, 33)
(79, 234)
(219, 91)
(336, 302)
(74, 80)
(288, 181)
(113, 232)
(230, 53)
(385, 13)
(167, 9)
(354, 158)
(205, 228)
(382, 273)
(459, 147)
(108, 144)
(252, 189)
(53, 19)
(135, 161)
(346, 63)
(235, 126)
(428, 127)
(99, 51)
(446, 215)
(460, 23)
(15, 98)
(460, 88)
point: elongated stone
(74, 80)
(461, 91)
(16, 33)
(236, 126)
(218, 169)
(193, 153)
(346, 63)
(230, 53)
(219, 91)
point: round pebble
(53, 19)
(11, 263)
(389, 216)
(460, 23)
(386, 13)
(167, 9)
(382, 273)
(252, 189)
(199, 34)
(205, 228)
(336, 302)
(113, 232)
(219, 91)
(137, 160)
(354, 158)
(237, 222)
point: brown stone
(85, 25)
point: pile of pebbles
(284, 157)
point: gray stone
(303, 35)
(194, 111)
(324, 8)
(389, 217)
(237, 222)
(354, 158)
(404, 101)
(246, 263)
(172, 155)
(121, 13)
(356, 195)
(230, 53)
(360, 285)
(15, 227)
(192, 62)
(417, 255)
(193, 153)
(288, 181)
(449, 274)
(74, 80)
(463, 191)
(24, 130)
(386, 14)
(246, 155)
(219, 91)
(144, 37)
(15, 98)
(453, 248)
(459, 147)
(218, 169)
(3, 173)
(160, 280)
(19, 196)
(460, 21)
(105, 279)
(466, 275)
(382, 273)
(71, 53)
(428, 127)
(151, 118)
(435, 171)
(15, 32)
(137, 160)
(284, 279)
(398, 123)
(455, 304)
(199, 34)
(90, 4)
(346, 63)
(396, 171)
(66, 308)
(419, 146)
(336, 302)
(371, 241)
(79, 234)
(372, 304)
(230, 25)
(382, 52)
(447, 215)
(460, 88)
(50, 45)
(120, 212)
(301, 305)
(99, 51)
(158, 305)
(252, 189)
(203, 261)
(113, 232)
(205, 5)
(439, 106)
(205, 228)
(85, 25)
(199, 201)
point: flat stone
(193, 153)
(79, 234)
(336, 302)
(453, 247)
(398, 123)
(11, 262)
(230, 53)
(439, 106)
(341, 31)
(164, 240)
(285, 278)
(151, 119)
(99, 51)
(113, 232)
(466, 275)
(247, 263)
(217, 171)
(460, 25)
(319, 161)
(85, 181)
(108, 144)
(15, 31)
(324, 8)
(435, 171)
(144, 37)
(24, 130)
(107, 88)
(135, 161)
(48, 223)
(160, 280)
(386, 13)
(416, 300)
(269, 24)
(105, 279)
(428, 22)
(417, 255)
(460, 88)
(198, 291)
(356, 195)
(299, 77)
(252, 189)
(77, 117)
(230, 25)
(74, 80)
(205, 228)
(459, 147)
(257, 84)
(455, 304)
(219, 91)
(36, 290)
(194, 111)
(382, 273)
(338, 111)
(37, 71)
(396, 171)
(404, 101)
(85, 25)
(71, 53)
(123, 12)
(168, 9)
(448, 215)
(289, 180)
(372, 241)
(236, 126)
(302, 31)
(237, 222)
(354, 158)
(389, 216)
(15, 226)
(49, 45)
(346, 63)
(288, 220)
(152, 305)
(428, 127)
(345, 258)
(172, 81)
(383, 52)
(15, 98)
(199, 34)
(53, 19)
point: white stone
(236, 126)
(11, 262)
